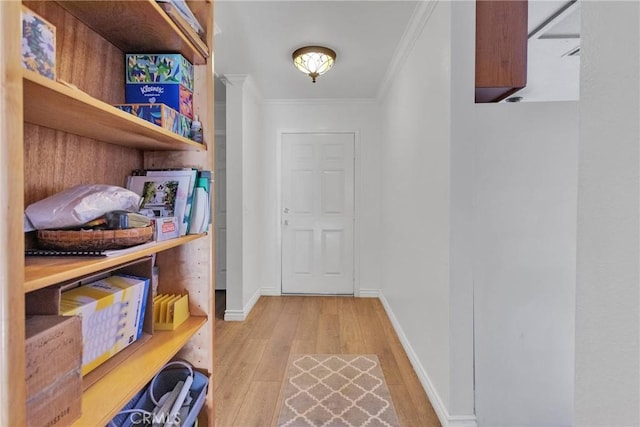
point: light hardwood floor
(251, 356)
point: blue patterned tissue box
(169, 68)
(161, 115)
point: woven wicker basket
(93, 240)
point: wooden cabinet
(501, 48)
(55, 134)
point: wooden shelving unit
(142, 364)
(43, 98)
(58, 134)
(41, 272)
(133, 24)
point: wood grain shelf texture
(501, 48)
(41, 272)
(56, 106)
(135, 26)
(102, 400)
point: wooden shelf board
(104, 399)
(43, 271)
(86, 116)
(135, 27)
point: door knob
(286, 210)
(285, 222)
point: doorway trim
(356, 205)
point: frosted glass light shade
(314, 60)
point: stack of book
(178, 200)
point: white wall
(414, 201)
(478, 219)
(607, 329)
(255, 200)
(462, 159)
(523, 178)
(347, 115)
(524, 262)
(234, 129)
(245, 197)
(220, 202)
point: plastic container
(165, 382)
(196, 130)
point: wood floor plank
(238, 332)
(328, 341)
(266, 322)
(375, 339)
(259, 404)
(251, 356)
(403, 372)
(293, 304)
(233, 332)
(303, 347)
(351, 339)
(306, 330)
(329, 305)
(408, 414)
(274, 359)
(233, 381)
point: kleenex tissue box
(160, 78)
(161, 115)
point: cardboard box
(53, 364)
(53, 346)
(169, 68)
(46, 301)
(177, 97)
(166, 228)
(161, 115)
(112, 311)
(38, 44)
(58, 405)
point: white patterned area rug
(335, 390)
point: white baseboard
(438, 406)
(272, 292)
(368, 293)
(252, 301)
(240, 315)
(234, 315)
(462, 421)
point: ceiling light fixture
(314, 60)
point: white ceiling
(258, 37)
(554, 31)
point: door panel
(318, 213)
(333, 252)
(303, 252)
(333, 192)
(302, 191)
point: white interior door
(221, 211)
(317, 213)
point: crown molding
(419, 18)
(233, 79)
